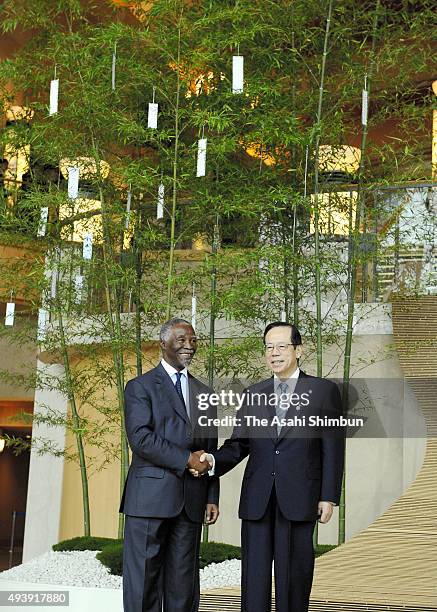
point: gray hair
(164, 332)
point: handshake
(199, 463)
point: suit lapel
(193, 392)
(164, 380)
(267, 409)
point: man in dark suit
(292, 478)
(164, 505)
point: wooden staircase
(391, 565)
(411, 260)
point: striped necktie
(178, 386)
(283, 391)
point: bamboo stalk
(285, 267)
(116, 334)
(137, 300)
(174, 180)
(295, 245)
(75, 414)
(316, 214)
(117, 351)
(212, 317)
(352, 274)
(296, 250)
(115, 328)
(316, 195)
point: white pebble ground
(81, 568)
(226, 573)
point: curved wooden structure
(391, 565)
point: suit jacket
(161, 436)
(304, 464)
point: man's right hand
(195, 465)
(205, 458)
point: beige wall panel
(20, 359)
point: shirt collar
(171, 371)
(295, 374)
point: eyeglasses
(280, 347)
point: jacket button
(273, 473)
(277, 452)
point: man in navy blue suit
(164, 505)
(293, 476)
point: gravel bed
(226, 573)
(81, 568)
(72, 568)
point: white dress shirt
(291, 382)
(171, 371)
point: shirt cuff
(211, 472)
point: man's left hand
(325, 511)
(211, 514)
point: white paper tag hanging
(193, 311)
(42, 227)
(365, 107)
(78, 288)
(10, 312)
(237, 73)
(43, 319)
(87, 251)
(152, 118)
(73, 182)
(283, 316)
(54, 96)
(201, 157)
(160, 204)
(54, 284)
(128, 207)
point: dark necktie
(283, 391)
(178, 386)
